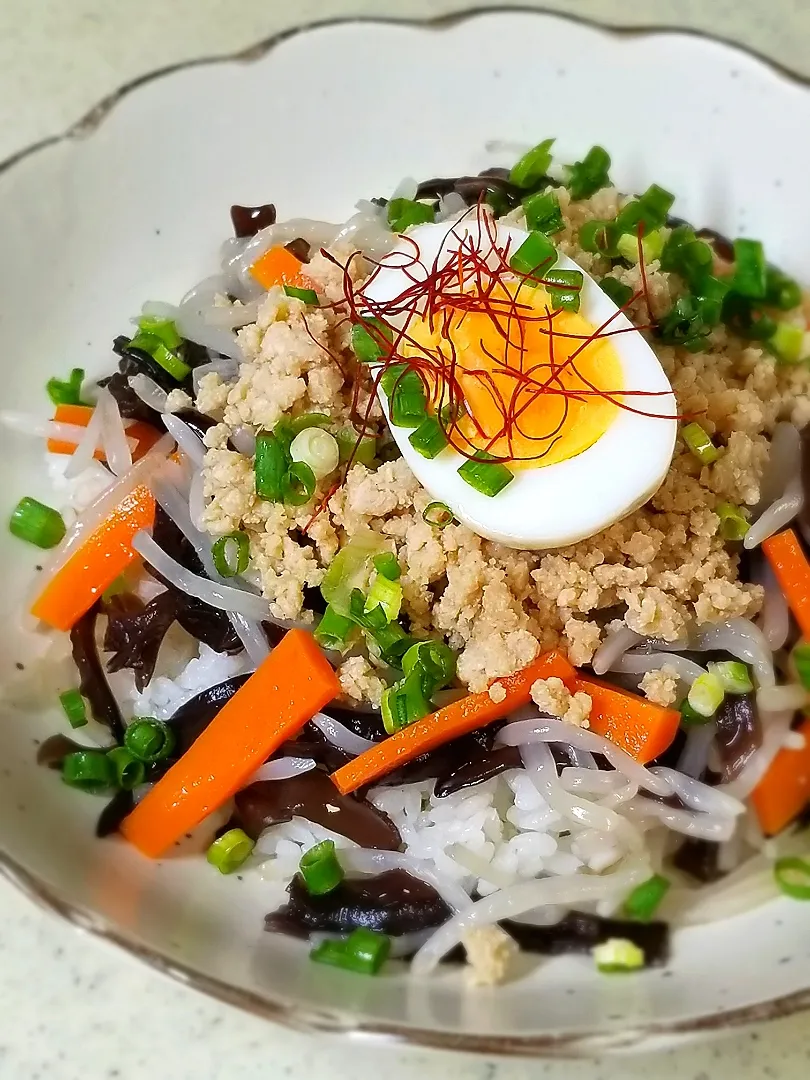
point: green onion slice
(404, 703)
(733, 521)
(564, 288)
(163, 329)
(369, 338)
(270, 467)
(543, 213)
(781, 291)
(74, 708)
(428, 439)
(37, 523)
(598, 237)
(535, 255)
(618, 292)
(363, 951)
(404, 213)
(362, 449)
(700, 444)
(706, 695)
(149, 740)
(387, 594)
(644, 900)
(733, 675)
(584, 178)
(787, 343)
(229, 851)
(129, 771)
(231, 554)
(306, 296)
(387, 565)
(532, 168)
(690, 717)
(438, 514)
(793, 877)
(168, 359)
(488, 477)
(320, 869)
(66, 392)
(617, 955)
(750, 269)
(89, 770)
(298, 484)
(801, 661)
(333, 629)
(350, 570)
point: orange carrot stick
(640, 727)
(94, 566)
(784, 790)
(278, 266)
(460, 718)
(789, 563)
(144, 434)
(288, 688)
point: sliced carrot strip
(144, 434)
(784, 790)
(784, 552)
(288, 688)
(278, 266)
(94, 566)
(460, 718)
(640, 727)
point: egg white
(554, 505)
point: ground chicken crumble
(552, 696)
(661, 569)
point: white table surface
(71, 1007)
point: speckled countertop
(72, 1007)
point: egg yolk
(532, 384)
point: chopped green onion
(433, 661)
(308, 420)
(535, 253)
(685, 255)
(89, 770)
(129, 771)
(644, 900)
(317, 449)
(306, 296)
(565, 288)
(781, 291)
(648, 210)
(403, 213)
(407, 401)
(404, 703)
(787, 343)
(617, 955)
(700, 444)
(229, 851)
(488, 477)
(392, 642)
(743, 318)
(793, 877)
(709, 299)
(438, 514)
(366, 345)
(161, 354)
(750, 269)
(333, 629)
(652, 245)
(36, 523)
(74, 707)
(66, 392)
(706, 695)
(387, 594)
(428, 439)
(543, 213)
(270, 467)
(387, 565)
(618, 292)
(320, 869)
(532, 168)
(598, 237)
(350, 570)
(584, 178)
(370, 617)
(163, 329)
(690, 717)
(683, 325)
(148, 739)
(298, 485)
(362, 449)
(363, 951)
(733, 521)
(231, 554)
(733, 675)
(801, 661)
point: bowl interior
(136, 210)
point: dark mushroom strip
(110, 818)
(56, 748)
(579, 932)
(700, 859)
(392, 902)
(193, 717)
(313, 796)
(92, 680)
(135, 632)
(248, 220)
(739, 733)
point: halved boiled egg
(559, 403)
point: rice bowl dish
(572, 684)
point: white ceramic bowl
(132, 204)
